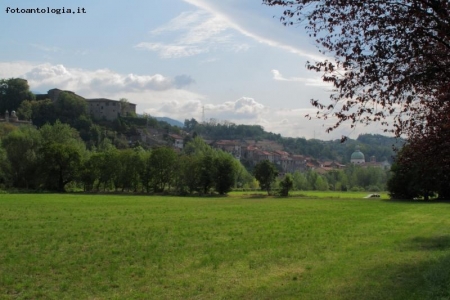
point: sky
(228, 60)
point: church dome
(357, 156)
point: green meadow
(244, 246)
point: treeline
(54, 158)
(352, 178)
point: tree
(225, 170)
(70, 107)
(104, 166)
(431, 146)
(145, 172)
(300, 182)
(61, 155)
(206, 171)
(286, 185)
(88, 172)
(391, 58)
(22, 148)
(197, 146)
(4, 168)
(266, 173)
(188, 176)
(39, 112)
(12, 92)
(129, 163)
(190, 125)
(60, 164)
(411, 180)
(6, 128)
(162, 162)
(320, 184)
(124, 106)
(422, 167)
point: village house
(229, 146)
(177, 141)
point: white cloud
(172, 51)
(307, 81)
(197, 32)
(86, 82)
(14, 69)
(243, 110)
(181, 22)
(221, 14)
(47, 75)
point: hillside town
(249, 151)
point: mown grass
(137, 247)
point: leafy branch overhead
(389, 60)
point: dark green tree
(104, 165)
(145, 172)
(162, 164)
(70, 107)
(12, 92)
(286, 185)
(23, 147)
(88, 172)
(61, 155)
(189, 125)
(225, 176)
(415, 175)
(4, 168)
(60, 164)
(266, 173)
(39, 112)
(206, 173)
(188, 176)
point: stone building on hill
(98, 108)
(102, 108)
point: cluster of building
(252, 153)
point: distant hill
(375, 145)
(170, 121)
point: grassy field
(239, 247)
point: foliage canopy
(391, 59)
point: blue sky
(172, 58)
